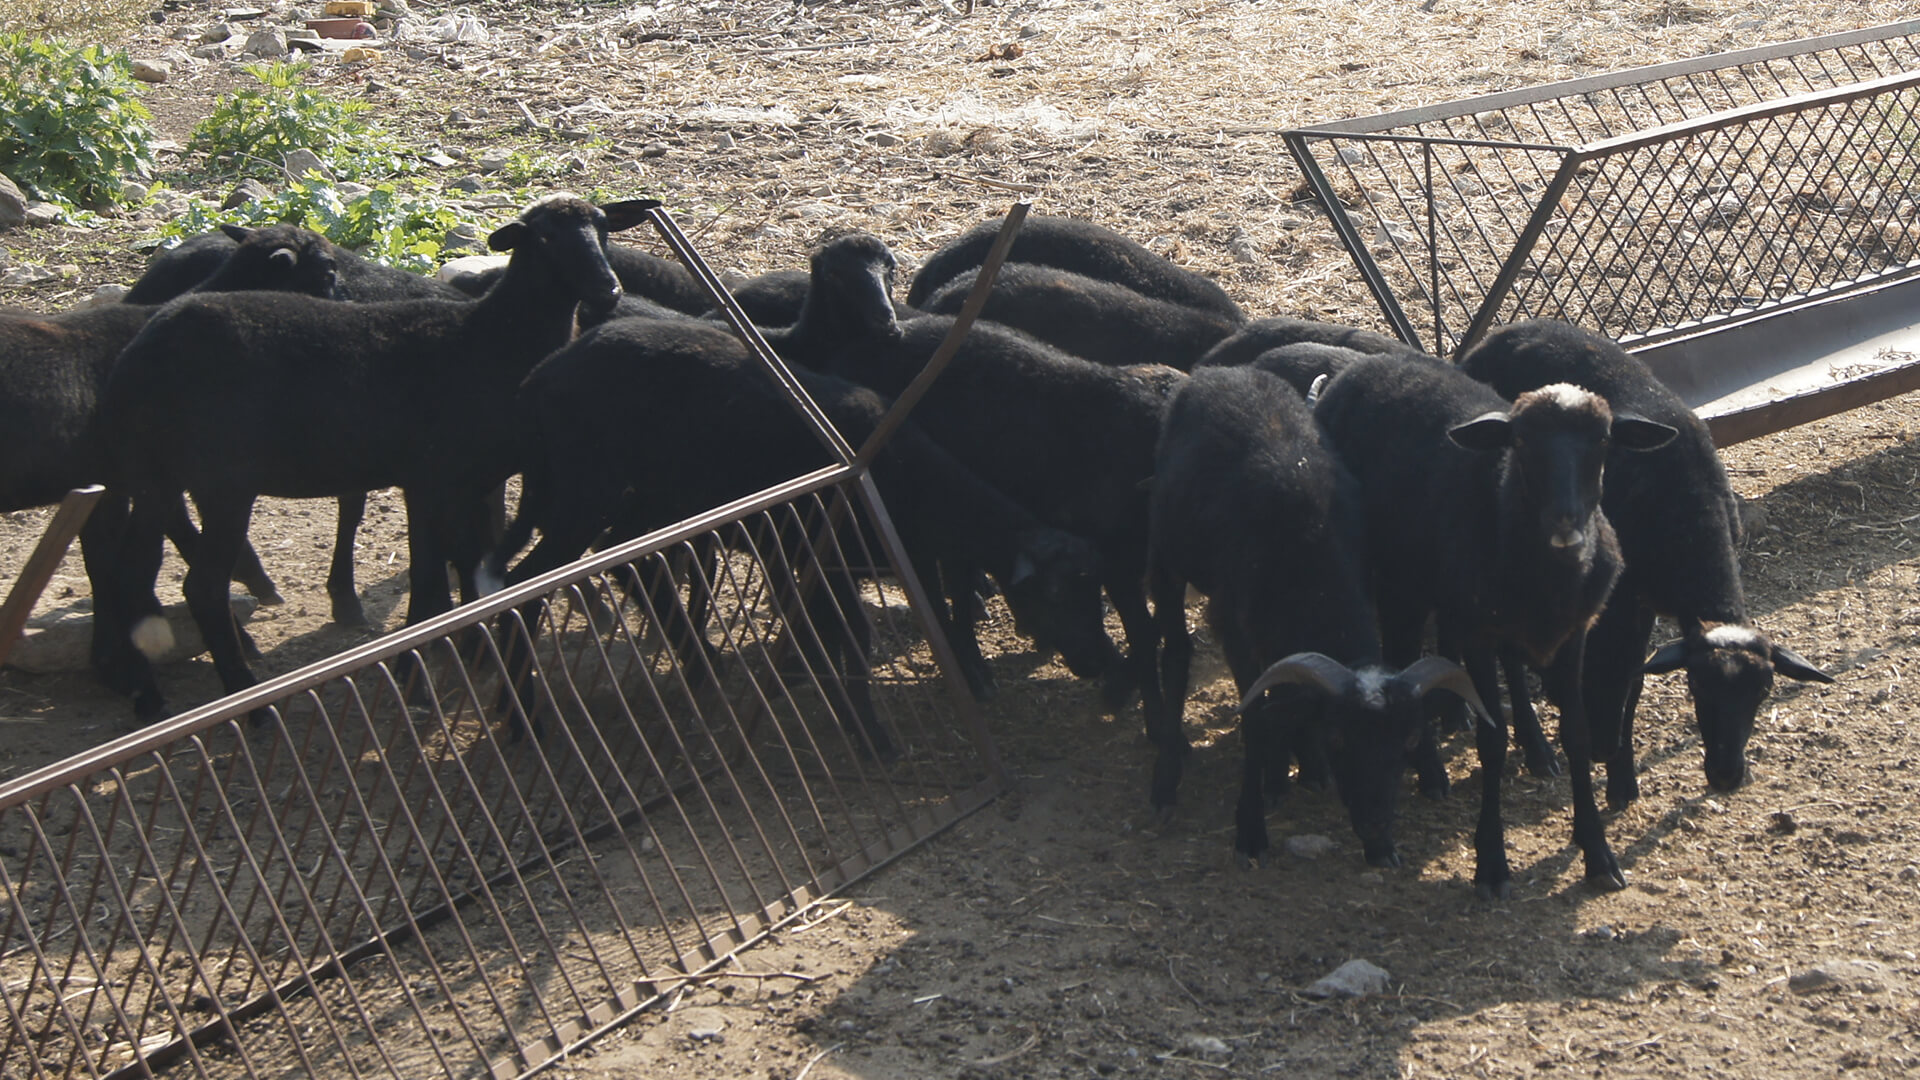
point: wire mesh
(465, 849)
(1646, 204)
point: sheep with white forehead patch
(1487, 515)
(1679, 527)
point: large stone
(246, 191)
(267, 44)
(216, 33)
(40, 215)
(152, 71)
(13, 204)
(301, 162)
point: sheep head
(1730, 670)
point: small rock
(210, 52)
(469, 182)
(1811, 981)
(349, 191)
(1309, 845)
(107, 294)
(1351, 155)
(1029, 31)
(1782, 824)
(246, 191)
(216, 33)
(152, 71)
(1393, 232)
(440, 159)
(1206, 1044)
(1600, 933)
(185, 33)
(654, 149)
(884, 138)
(305, 41)
(133, 192)
(703, 1024)
(18, 277)
(723, 141)
(41, 214)
(1909, 874)
(495, 159)
(177, 58)
(1355, 978)
(303, 161)
(13, 204)
(459, 118)
(463, 237)
(469, 264)
(1243, 250)
(267, 44)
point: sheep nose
(1566, 537)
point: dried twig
(1181, 985)
(808, 1067)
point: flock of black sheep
(1376, 530)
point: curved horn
(1430, 673)
(1318, 670)
(285, 258)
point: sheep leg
(120, 563)
(1250, 841)
(223, 517)
(1492, 876)
(1526, 722)
(957, 615)
(1616, 649)
(343, 597)
(1164, 703)
(1603, 870)
(1126, 590)
(833, 636)
(428, 523)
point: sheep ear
(1023, 569)
(1490, 432)
(627, 213)
(1794, 666)
(1669, 657)
(1638, 433)
(508, 236)
(237, 233)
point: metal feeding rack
(1747, 222)
(467, 848)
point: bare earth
(1062, 931)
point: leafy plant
(404, 229)
(264, 123)
(72, 127)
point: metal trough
(1745, 221)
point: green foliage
(262, 124)
(403, 229)
(72, 127)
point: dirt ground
(1063, 931)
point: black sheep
(1679, 527)
(1260, 335)
(642, 275)
(1069, 439)
(1079, 246)
(1252, 508)
(189, 266)
(1092, 319)
(417, 394)
(1487, 514)
(686, 384)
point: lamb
(415, 393)
(1251, 507)
(1092, 319)
(1679, 527)
(1487, 514)
(1069, 439)
(684, 384)
(1080, 246)
(1260, 335)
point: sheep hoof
(1622, 790)
(349, 613)
(1606, 875)
(1493, 891)
(1436, 788)
(265, 593)
(1542, 763)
